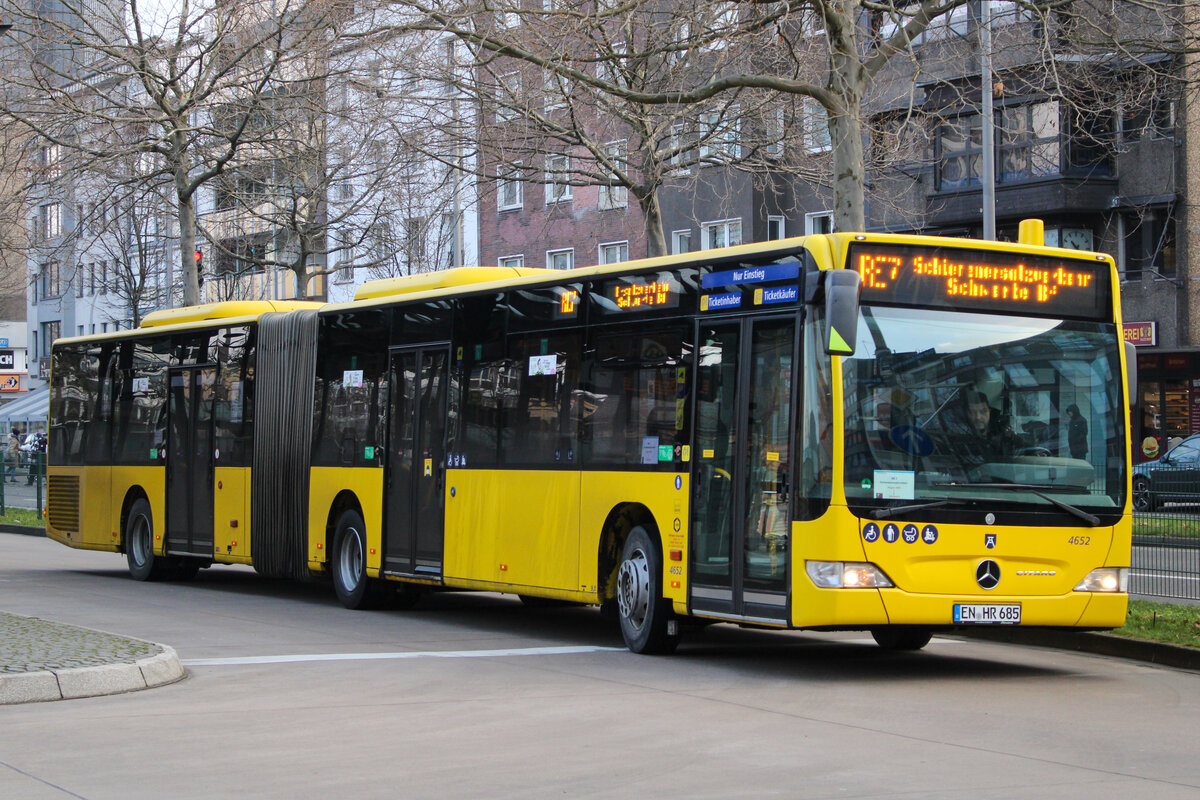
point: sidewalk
(44, 660)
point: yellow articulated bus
(899, 434)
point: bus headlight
(1105, 579)
(846, 575)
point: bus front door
(743, 456)
(416, 462)
(190, 461)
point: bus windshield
(954, 408)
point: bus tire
(349, 565)
(643, 611)
(144, 565)
(901, 638)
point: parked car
(1175, 477)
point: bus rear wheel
(144, 565)
(901, 638)
(647, 622)
(349, 566)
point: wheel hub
(633, 588)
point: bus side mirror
(842, 287)
(1131, 374)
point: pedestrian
(12, 456)
(1077, 432)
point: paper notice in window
(543, 365)
(649, 449)
(894, 484)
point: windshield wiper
(1035, 489)
(880, 513)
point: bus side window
(635, 396)
(539, 430)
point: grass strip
(1162, 622)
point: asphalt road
(478, 696)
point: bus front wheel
(901, 638)
(647, 622)
(354, 589)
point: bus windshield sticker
(765, 273)
(649, 449)
(543, 365)
(986, 280)
(895, 484)
(352, 379)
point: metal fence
(1166, 532)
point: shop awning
(29, 412)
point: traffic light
(199, 267)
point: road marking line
(525, 651)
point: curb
(1102, 644)
(25, 530)
(68, 684)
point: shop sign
(1194, 406)
(1140, 334)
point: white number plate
(987, 614)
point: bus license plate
(987, 614)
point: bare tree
(194, 79)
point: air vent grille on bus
(62, 502)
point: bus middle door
(416, 463)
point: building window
(509, 194)
(1151, 118)
(560, 259)
(1027, 142)
(818, 222)
(554, 91)
(511, 261)
(814, 131)
(558, 189)
(80, 279)
(679, 153)
(614, 252)
(614, 196)
(721, 136)
(102, 266)
(50, 332)
(50, 221)
(50, 285)
(51, 161)
(775, 127)
(681, 242)
(775, 228)
(721, 233)
(1149, 242)
(509, 96)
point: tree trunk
(187, 251)
(848, 81)
(652, 223)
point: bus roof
(222, 311)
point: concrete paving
(45, 660)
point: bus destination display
(979, 279)
(636, 294)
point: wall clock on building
(1076, 239)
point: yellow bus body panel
(831, 537)
(604, 491)
(517, 528)
(325, 484)
(231, 515)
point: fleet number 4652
(1085, 540)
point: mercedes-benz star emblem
(987, 574)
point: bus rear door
(190, 461)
